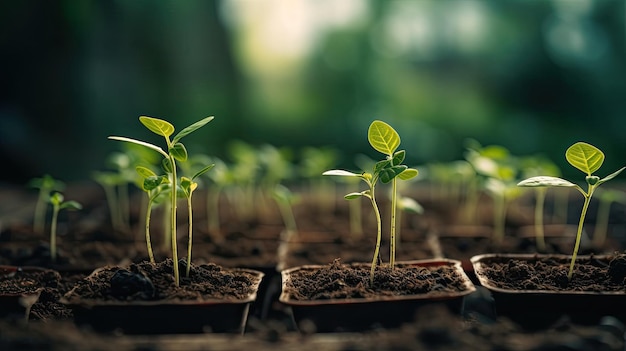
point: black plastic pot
(164, 316)
(360, 314)
(538, 309)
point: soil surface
(338, 281)
(590, 274)
(151, 282)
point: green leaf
(409, 205)
(585, 157)
(611, 176)
(398, 157)
(339, 172)
(387, 174)
(56, 198)
(145, 172)
(71, 205)
(408, 174)
(157, 126)
(152, 182)
(378, 166)
(139, 142)
(203, 170)
(383, 137)
(188, 130)
(546, 181)
(353, 196)
(179, 152)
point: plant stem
(148, 242)
(173, 200)
(190, 240)
(540, 200)
(579, 231)
(392, 238)
(378, 235)
(53, 233)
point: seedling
(588, 159)
(284, 199)
(176, 151)
(45, 184)
(383, 138)
(56, 199)
(534, 166)
(187, 187)
(155, 186)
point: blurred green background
(534, 76)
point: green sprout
(155, 187)
(383, 138)
(45, 184)
(284, 199)
(588, 159)
(176, 151)
(56, 199)
(187, 187)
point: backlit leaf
(188, 130)
(383, 137)
(157, 126)
(546, 181)
(585, 157)
(408, 174)
(339, 172)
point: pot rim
(485, 282)
(285, 297)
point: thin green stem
(378, 235)
(540, 200)
(580, 231)
(392, 238)
(147, 224)
(53, 233)
(190, 235)
(173, 200)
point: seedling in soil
(500, 169)
(176, 151)
(45, 184)
(56, 199)
(588, 159)
(187, 187)
(155, 187)
(284, 199)
(385, 139)
(534, 166)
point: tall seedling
(176, 151)
(588, 159)
(384, 139)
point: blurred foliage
(534, 76)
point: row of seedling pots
(316, 294)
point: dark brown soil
(551, 274)
(337, 281)
(23, 282)
(151, 282)
(48, 306)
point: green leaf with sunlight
(157, 126)
(408, 174)
(192, 128)
(585, 157)
(339, 172)
(383, 137)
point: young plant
(45, 184)
(155, 187)
(176, 151)
(588, 159)
(383, 138)
(56, 199)
(284, 199)
(187, 187)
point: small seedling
(45, 184)
(284, 199)
(187, 187)
(384, 139)
(56, 199)
(588, 159)
(155, 187)
(176, 151)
